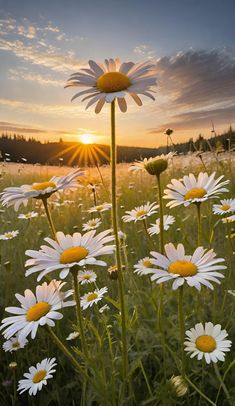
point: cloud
(144, 51)
(13, 127)
(23, 74)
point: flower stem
(199, 391)
(160, 214)
(49, 218)
(199, 224)
(78, 311)
(115, 231)
(222, 384)
(182, 326)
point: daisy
(192, 190)
(231, 292)
(151, 165)
(143, 267)
(229, 219)
(141, 212)
(9, 235)
(91, 224)
(100, 208)
(72, 336)
(226, 206)
(94, 297)
(36, 310)
(113, 79)
(28, 216)
(167, 222)
(69, 251)
(15, 196)
(85, 277)
(104, 308)
(37, 376)
(14, 344)
(208, 342)
(196, 270)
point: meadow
(154, 335)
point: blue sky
(191, 42)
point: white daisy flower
(36, 310)
(167, 222)
(196, 270)
(143, 267)
(15, 196)
(28, 216)
(14, 344)
(69, 251)
(9, 235)
(113, 79)
(72, 336)
(104, 308)
(94, 297)
(229, 219)
(192, 190)
(226, 206)
(231, 292)
(91, 224)
(157, 162)
(140, 212)
(208, 342)
(85, 277)
(37, 376)
(100, 208)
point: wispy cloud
(145, 51)
(23, 74)
(19, 128)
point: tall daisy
(91, 298)
(114, 80)
(15, 196)
(36, 310)
(140, 213)
(167, 222)
(191, 190)
(226, 206)
(200, 268)
(152, 165)
(207, 342)
(100, 208)
(143, 267)
(14, 344)
(37, 376)
(91, 224)
(69, 251)
(9, 235)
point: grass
(152, 362)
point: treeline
(16, 148)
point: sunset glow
(86, 139)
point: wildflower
(73, 336)
(154, 166)
(28, 216)
(167, 222)
(37, 376)
(15, 196)
(100, 208)
(14, 344)
(196, 270)
(226, 206)
(86, 276)
(91, 224)
(69, 251)
(113, 272)
(104, 308)
(191, 190)
(208, 342)
(9, 235)
(179, 385)
(231, 292)
(113, 79)
(94, 297)
(143, 267)
(140, 212)
(229, 219)
(36, 310)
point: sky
(191, 42)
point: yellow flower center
(147, 263)
(195, 193)
(225, 207)
(113, 82)
(73, 254)
(16, 345)
(37, 311)
(87, 276)
(43, 185)
(140, 213)
(183, 268)
(98, 208)
(92, 296)
(8, 235)
(39, 376)
(206, 343)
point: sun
(86, 138)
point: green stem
(161, 214)
(223, 379)
(222, 384)
(200, 392)
(115, 231)
(79, 311)
(49, 218)
(199, 224)
(182, 326)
